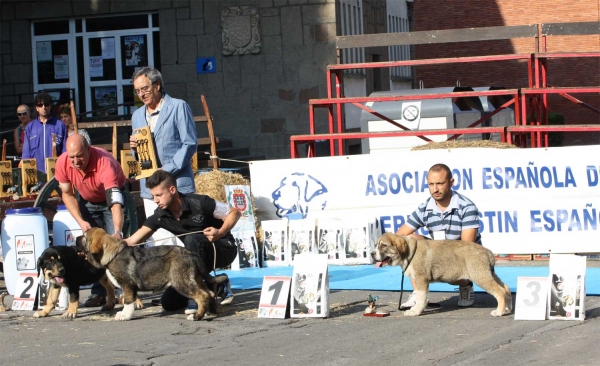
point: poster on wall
(44, 51)
(135, 50)
(105, 97)
(108, 47)
(96, 69)
(61, 67)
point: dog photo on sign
(358, 242)
(307, 293)
(274, 243)
(247, 252)
(301, 236)
(330, 240)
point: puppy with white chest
(150, 269)
(427, 261)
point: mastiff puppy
(428, 261)
(63, 267)
(150, 269)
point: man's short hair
(442, 167)
(42, 97)
(152, 74)
(159, 177)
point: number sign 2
(532, 294)
(274, 297)
(27, 285)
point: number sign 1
(532, 293)
(27, 285)
(274, 297)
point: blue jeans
(99, 215)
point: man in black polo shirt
(205, 225)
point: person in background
(38, 134)
(65, 115)
(24, 115)
(174, 134)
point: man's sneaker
(466, 295)
(95, 300)
(227, 294)
(192, 307)
(412, 301)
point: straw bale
(457, 144)
(213, 185)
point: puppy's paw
(121, 316)
(107, 307)
(38, 314)
(69, 315)
(412, 312)
(191, 317)
(139, 304)
(497, 313)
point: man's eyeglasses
(21, 114)
(142, 90)
(44, 105)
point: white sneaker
(466, 296)
(412, 301)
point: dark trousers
(226, 251)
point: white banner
(529, 200)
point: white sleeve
(221, 210)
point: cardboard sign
(274, 297)
(566, 297)
(310, 286)
(301, 237)
(359, 241)
(275, 245)
(531, 302)
(329, 240)
(27, 285)
(247, 256)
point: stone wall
(258, 100)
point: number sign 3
(532, 293)
(27, 285)
(274, 297)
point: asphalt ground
(444, 336)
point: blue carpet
(367, 277)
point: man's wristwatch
(119, 232)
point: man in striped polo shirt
(446, 215)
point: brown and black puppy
(150, 269)
(428, 261)
(63, 267)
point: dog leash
(402, 282)
(191, 232)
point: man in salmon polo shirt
(101, 184)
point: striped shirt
(460, 214)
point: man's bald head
(78, 151)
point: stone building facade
(258, 99)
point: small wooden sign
(29, 178)
(531, 302)
(27, 285)
(274, 297)
(146, 154)
(129, 165)
(8, 188)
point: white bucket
(24, 238)
(64, 227)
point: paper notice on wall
(61, 67)
(108, 47)
(96, 70)
(44, 51)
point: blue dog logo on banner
(299, 193)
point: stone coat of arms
(239, 28)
